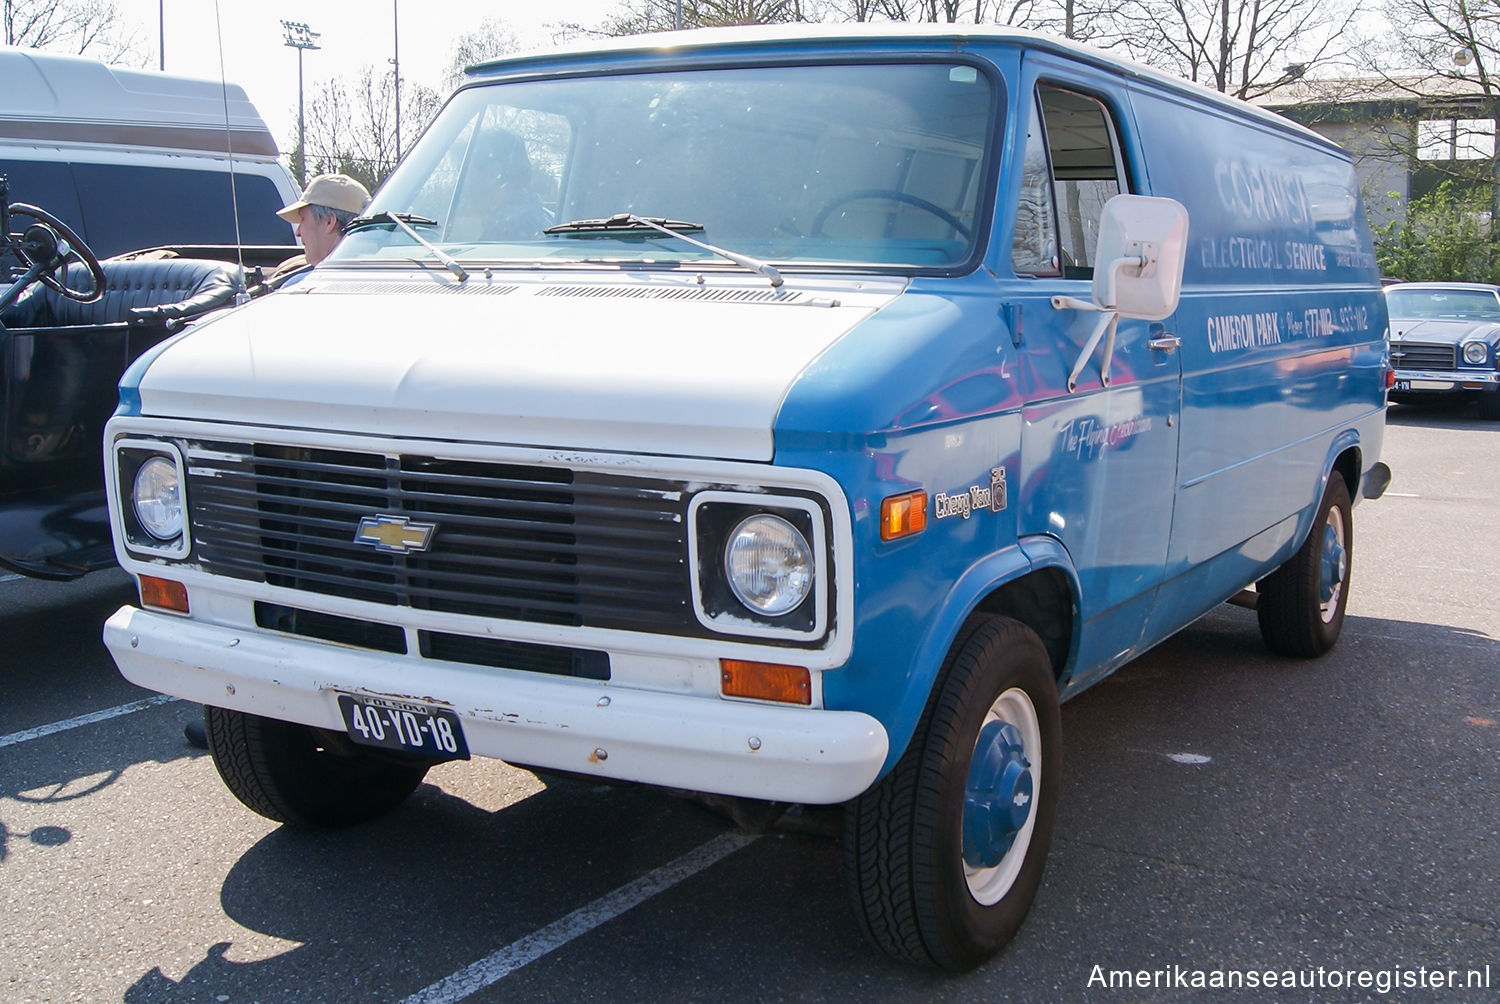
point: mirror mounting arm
(1109, 320)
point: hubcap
(997, 799)
(1000, 795)
(1334, 567)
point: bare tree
(351, 124)
(640, 17)
(81, 27)
(490, 40)
(1456, 40)
(1242, 47)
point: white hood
(602, 364)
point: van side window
(1086, 171)
(1033, 247)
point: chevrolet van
(785, 416)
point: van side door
(1098, 461)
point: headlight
(157, 498)
(768, 564)
(1475, 353)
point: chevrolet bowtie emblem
(396, 534)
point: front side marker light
(163, 594)
(765, 681)
(903, 515)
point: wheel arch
(1033, 582)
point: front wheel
(305, 776)
(1301, 605)
(944, 855)
(1489, 405)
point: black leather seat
(142, 291)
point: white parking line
(507, 960)
(88, 719)
(10, 578)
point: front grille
(1420, 356)
(545, 545)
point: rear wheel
(1301, 605)
(309, 777)
(944, 855)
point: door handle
(1165, 343)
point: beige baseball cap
(336, 191)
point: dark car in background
(1445, 341)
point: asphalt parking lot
(1223, 811)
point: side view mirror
(1137, 271)
(1142, 248)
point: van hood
(606, 364)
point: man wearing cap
(327, 205)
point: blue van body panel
(1187, 477)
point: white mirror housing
(1142, 249)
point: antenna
(240, 296)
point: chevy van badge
(395, 534)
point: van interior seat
(140, 291)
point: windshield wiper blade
(405, 221)
(360, 222)
(672, 228)
(625, 222)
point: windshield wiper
(672, 228)
(623, 222)
(405, 221)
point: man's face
(318, 236)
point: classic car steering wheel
(51, 244)
(816, 228)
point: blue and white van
(788, 416)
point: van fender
(968, 592)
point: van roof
(650, 48)
(59, 100)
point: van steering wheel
(51, 244)
(816, 228)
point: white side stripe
(507, 960)
(88, 719)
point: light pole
(300, 37)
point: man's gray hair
(342, 217)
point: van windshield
(879, 164)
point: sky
(353, 33)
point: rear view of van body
(788, 416)
(132, 159)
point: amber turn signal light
(164, 594)
(903, 515)
(766, 681)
